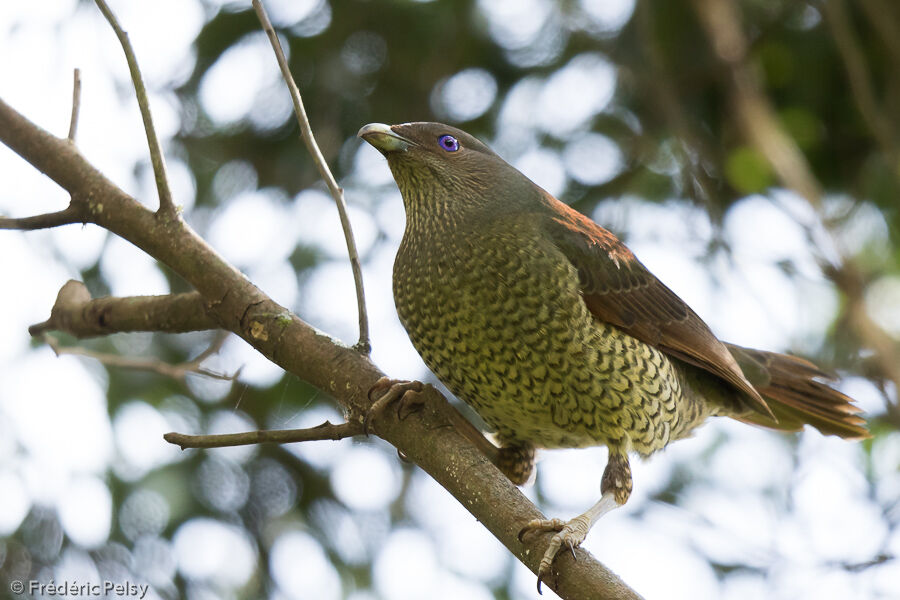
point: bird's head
(441, 169)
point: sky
(793, 511)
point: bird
(551, 329)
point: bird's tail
(796, 391)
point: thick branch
(428, 438)
(325, 431)
(77, 314)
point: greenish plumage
(557, 336)
(498, 316)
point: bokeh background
(619, 108)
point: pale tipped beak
(383, 138)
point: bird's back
(497, 314)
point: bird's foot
(407, 394)
(568, 533)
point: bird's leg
(408, 393)
(615, 487)
(516, 461)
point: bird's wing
(619, 290)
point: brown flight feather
(796, 391)
(619, 290)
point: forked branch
(428, 438)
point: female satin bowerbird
(549, 327)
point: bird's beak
(384, 139)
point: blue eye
(448, 143)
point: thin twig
(363, 345)
(177, 372)
(166, 204)
(325, 431)
(76, 104)
(214, 346)
(55, 219)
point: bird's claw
(540, 526)
(407, 394)
(572, 533)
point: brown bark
(430, 438)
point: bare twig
(177, 372)
(879, 125)
(63, 217)
(363, 345)
(166, 204)
(76, 104)
(325, 431)
(214, 347)
(77, 314)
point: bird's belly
(520, 347)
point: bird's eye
(448, 143)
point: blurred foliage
(385, 60)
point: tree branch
(325, 431)
(166, 204)
(77, 314)
(364, 344)
(76, 105)
(69, 215)
(177, 372)
(427, 437)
